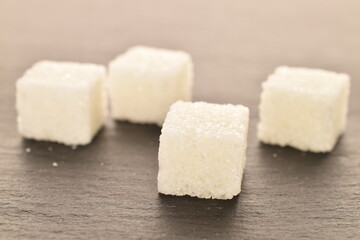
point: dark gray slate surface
(108, 188)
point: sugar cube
(145, 81)
(202, 150)
(304, 108)
(61, 101)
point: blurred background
(108, 189)
(231, 41)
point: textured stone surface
(108, 189)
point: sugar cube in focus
(202, 150)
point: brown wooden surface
(108, 189)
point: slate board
(107, 190)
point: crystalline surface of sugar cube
(145, 81)
(202, 150)
(304, 108)
(61, 101)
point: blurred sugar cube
(304, 108)
(61, 101)
(145, 81)
(203, 150)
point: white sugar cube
(145, 81)
(61, 102)
(202, 150)
(304, 108)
